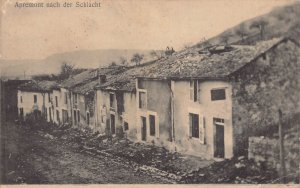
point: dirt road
(28, 156)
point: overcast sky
(33, 33)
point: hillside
(280, 22)
(81, 59)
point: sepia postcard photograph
(139, 92)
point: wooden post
(281, 149)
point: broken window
(152, 125)
(142, 100)
(194, 93)
(111, 100)
(78, 115)
(56, 101)
(75, 98)
(194, 125)
(35, 98)
(87, 118)
(50, 114)
(126, 126)
(120, 101)
(65, 116)
(57, 116)
(218, 94)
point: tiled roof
(38, 86)
(79, 78)
(215, 62)
(124, 81)
(88, 85)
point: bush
(35, 119)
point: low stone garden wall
(263, 149)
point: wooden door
(219, 141)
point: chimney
(102, 79)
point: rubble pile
(238, 170)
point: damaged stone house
(116, 102)
(78, 97)
(203, 102)
(207, 103)
(36, 96)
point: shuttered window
(197, 127)
(194, 90)
(194, 125)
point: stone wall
(263, 87)
(266, 150)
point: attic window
(264, 56)
(142, 100)
(218, 94)
(194, 90)
(35, 98)
(102, 79)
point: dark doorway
(75, 117)
(219, 141)
(21, 113)
(57, 116)
(50, 114)
(144, 128)
(112, 124)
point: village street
(33, 156)
(28, 157)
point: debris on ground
(238, 170)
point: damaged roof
(87, 85)
(39, 86)
(124, 81)
(79, 78)
(214, 62)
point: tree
(66, 70)
(156, 54)
(224, 39)
(137, 58)
(204, 43)
(123, 61)
(112, 64)
(261, 26)
(169, 51)
(241, 31)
